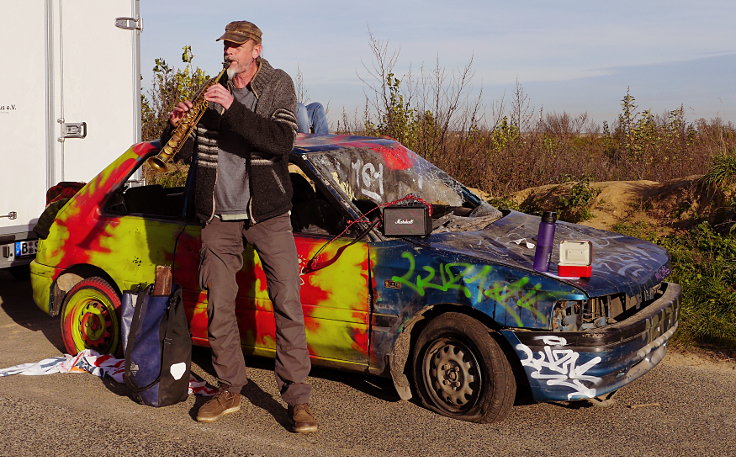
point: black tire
(460, 371)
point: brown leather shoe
(302, 419)
(224, 402)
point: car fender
(399, 356)
(69, 278)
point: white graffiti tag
(559, 367)
(369, 179)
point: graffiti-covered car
(405, 274)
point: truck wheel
(89, 317)
(461, 372)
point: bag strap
(135, 327)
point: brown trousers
(221, 258)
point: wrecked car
(443, 299)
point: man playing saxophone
(243, 192)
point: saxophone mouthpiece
(226, 69)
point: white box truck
(69, 103)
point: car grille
(571, 315)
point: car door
(335, 296)
(334, 292)
(135, 231)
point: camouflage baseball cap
(240, 32)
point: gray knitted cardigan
(265, 138)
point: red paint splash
(394, 154)
(360, 340)
(83, 221)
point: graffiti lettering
(459, 276)
(662, 273)
(503, 293)
(560, 367)
(451, 276)
(369, 180)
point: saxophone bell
(158, 162)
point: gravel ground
(685, 406)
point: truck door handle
(73, 130)
(11, 215)
(129, 23)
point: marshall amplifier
(407, 220)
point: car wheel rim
(94, 321)
(451, 375)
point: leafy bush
(169, 86)
(505, 203)
(704, 264)
(722, 172)
(575, 206)
(572, 200)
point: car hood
(621, 264)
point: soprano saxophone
(185, 126)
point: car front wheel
(460, 371)
(89, 317)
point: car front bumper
(42, 279)
(563, 366)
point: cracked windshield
(386, 174)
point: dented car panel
(577, 365)
(367, 296)
(621, 264)
(412, 277)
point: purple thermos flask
(545, 241)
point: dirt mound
(664, 207)
(660, 206)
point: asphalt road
(686, 406)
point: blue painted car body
(574, 337)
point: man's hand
(180, 110)
(219, 94)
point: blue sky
(569, 56)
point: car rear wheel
(460, 371)
(89, 317)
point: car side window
(311, 212)
(162, 195)
(314, 210)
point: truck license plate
(26, 248)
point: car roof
(306, 144)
